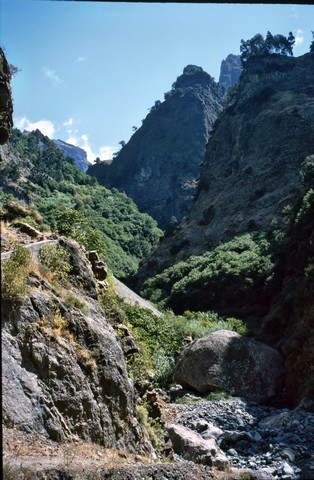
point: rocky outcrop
(230, 71)
(253, 158)
(63, 369)
(6, 104)
(225, 360)
(78, 154)
(158, 168)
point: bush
(57, 260)
(152, 428)
(14, 286)
(72, 301)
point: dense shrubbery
(219, 279)
(75, 205)
(14, 273)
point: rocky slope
(158, 168)
(253, 158)
(6, 104)
(63, 367)
(77, 153)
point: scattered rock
(288, 441)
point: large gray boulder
(191, 446)
(228, 361)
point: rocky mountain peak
(230, 71)
(193, 75)
(159, 166)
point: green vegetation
(161, 339)
(152, 428)
(225, 276)
(307, 177)
(72, 301)
(75, 205)
(14, 273)
(258, 45)
(56, 259)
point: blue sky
(89, 71)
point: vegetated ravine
(233, 281)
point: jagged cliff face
(251, 169)
(230, 71)
(78, 154)
(6, 104)
(159, 166)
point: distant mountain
(159, 167)
(230, 71)
(77, 153)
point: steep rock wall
(251, 168)
(6, 104)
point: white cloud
(81, 59)
(45, 126)
(51, 74)
(68, 123)
(106, 152)
(82, 141)
(299, 38)
(294, 13)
